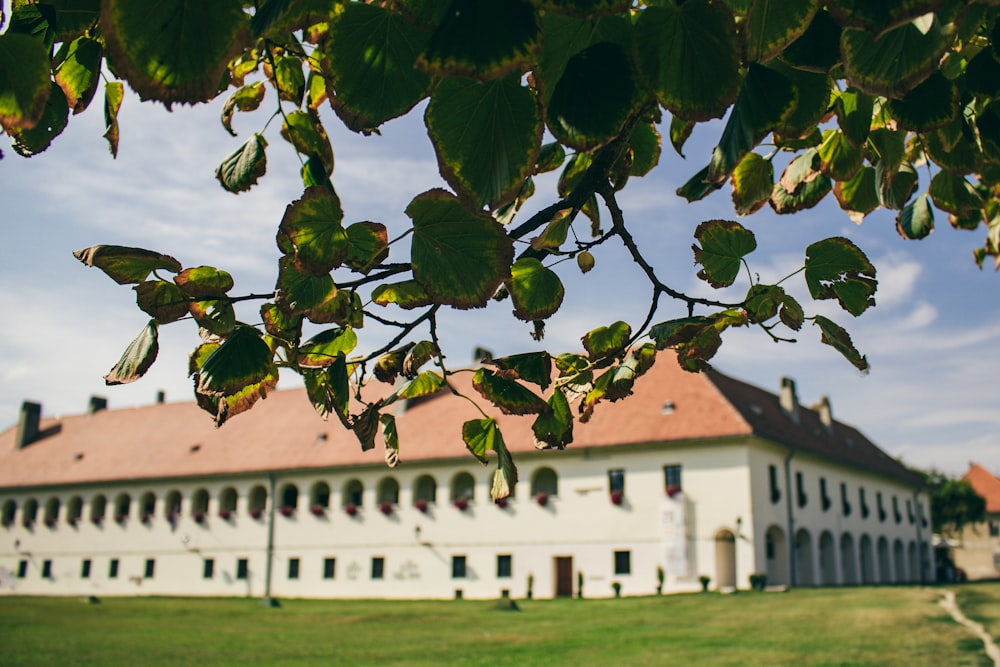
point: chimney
(789, 399)
(161, 397)
(28, 424)
(97, 403)
(825, 414)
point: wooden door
(564, 576)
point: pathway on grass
(948, 602)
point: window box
(351, 509)
(199, 517)
(673, 490)
(461, 503)
(317, 510)
(257, 512)
(421, 505)
(617, 497)
(225, 514)
(542, 498)
(385, 507)
(286, 510)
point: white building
(694, 475)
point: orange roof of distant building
(986, 484)
(284, 432)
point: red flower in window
(286, 510)
(385, 507)
(225, 514)
(461, 503)
(617, 497)
(317, 510)
(542, 498)
(351, 509)
(421, 504)
(673, 490)
(257, 512)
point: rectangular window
(208, 569)
(994, 529)
(616, 481)
(113, 568)
(623, 562)
(458, 567)
(772, 474)
(503, 566)
(293, 568)
(800, 489)
(864, 503)
(895, 510)
(378, 567)
(672, 478)
(845, 504)
(909, 510)
(824, 497)
(46, 569)
(85, 569)
(242, 568)
(149, 569)
(879, 506)
(22, 569)
(329, 568)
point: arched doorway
(867, 560)
(899, 561)
(884, 567)
(776, 549)
(848, 560)
(914, 568)
(827, 559)
(725, 559)
(804, 575)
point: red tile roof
(986, 484)
(285, 433)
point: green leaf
(916, 219)
(838, 158)
(311, 231)
(369, 66)
(161, 300)
(878, 15)
(551, 156)
(854, 115)
(818, 48)
(812, 100)
(390, 365)
(486, 136)
(724, 244)
(323, 349)
(894, 62)
(954, 194)
(801, 185)
(113, 94)
(512, 397)
(391, 437)
(645, 146)
(483, 39)
(695, 339)
(367, 245)
(214, 315)
(174, 50)
(982, 74)
(766, 98)
(858, 196)
(554, 234)
(425, 384)
(329, 390)
(35, 20)
(247, 98)
(126, 265)
(606, 341)
(688, 55)
(838, 338)
(408, 295)
(535, 367)
(235, 375)
(79, 71)
(752, 180)
(138, 357)
(480, 436)
(594, 97)
(24, 81)
(29, 142)
(961, 157)
(895, 187)
(280, 324)
(299, 293)
(765, 301)
(932, 104)
(202, 281)
(288, 79)
(698, 186)
(240, 171)
(680, 132)
(535, 290)
(304, 131)
(460, 257)
(554, 427)
(771, 25)
(365, 427)
(835, 268)
(74, 17)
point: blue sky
(931, 341)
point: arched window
(172, 505)
(319, 498)
(424, 492)
(123, 506)
(8, 513)
(289, 499)
(98, 508)
(388, 491)
(147, 506)
(257, 501)
(52, 507)
(227, 502)
(463, 489)
(544, 484)
(74, 510)
(353, 493)
(30, 513)
(199, 505)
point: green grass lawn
(851, 626)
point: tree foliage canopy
(891, 104)
(954, 503)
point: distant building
(695, 475)
(977, 551)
